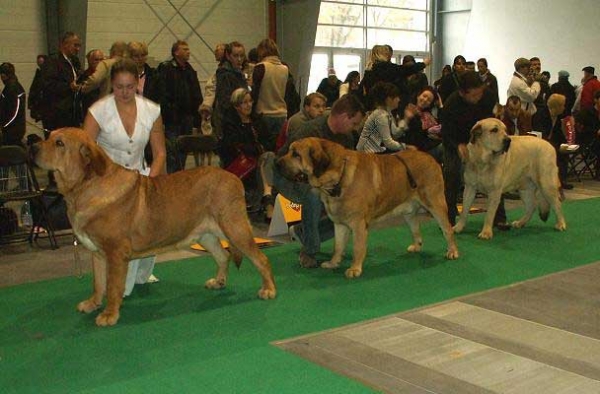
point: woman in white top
(122, 123)
(380, 128)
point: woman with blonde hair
(148, 83)
(381, 69)
(240, 143)
(548, 120)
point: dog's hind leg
(415, 230)
(551, 195)
(213, 245)
(239, 233)
(439, 211)
(528, 197)
(342, 233)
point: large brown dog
(358, 187)
(498, 163)
(119, 215)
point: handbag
(242, 165)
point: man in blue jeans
(346, 116)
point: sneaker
(307, 261)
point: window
(348, 29)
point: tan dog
(119, 215)
(499, 163)
(358, 187)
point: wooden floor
(540, 336)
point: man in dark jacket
(35, 99)
(180, 101)
(564, 87)
(12, 107)
(472, 102)
(59, 75)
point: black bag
(56, 209)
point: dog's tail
(236, 256)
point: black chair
(18, 184)
(584, 161)
(203, 147)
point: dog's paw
(267, 294)
(486, 234)
(518, 224)
(561, 226)
(452, 254)
(458, 227)
(215, 284)
(107, 319)
(414, 248)
(353, 273)
(87, 306)
(330, 265)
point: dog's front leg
(359, 251)
(493, 202)
(468, 198)
(99, 273)
(115, 285)
(342, 233)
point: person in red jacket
(590, 86)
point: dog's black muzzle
(506, 144)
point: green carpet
(175, 336)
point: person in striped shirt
(380, 129)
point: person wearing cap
(12, 107)
(524, 86)
(590, 86)
(330, 87)
(564, 87)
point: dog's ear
(498, 111)
(476, 132)
(320, 160)
(93, 159)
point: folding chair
(584, 161)
(18, 184)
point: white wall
(158, 23)
(563, 34)
(23, 32)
